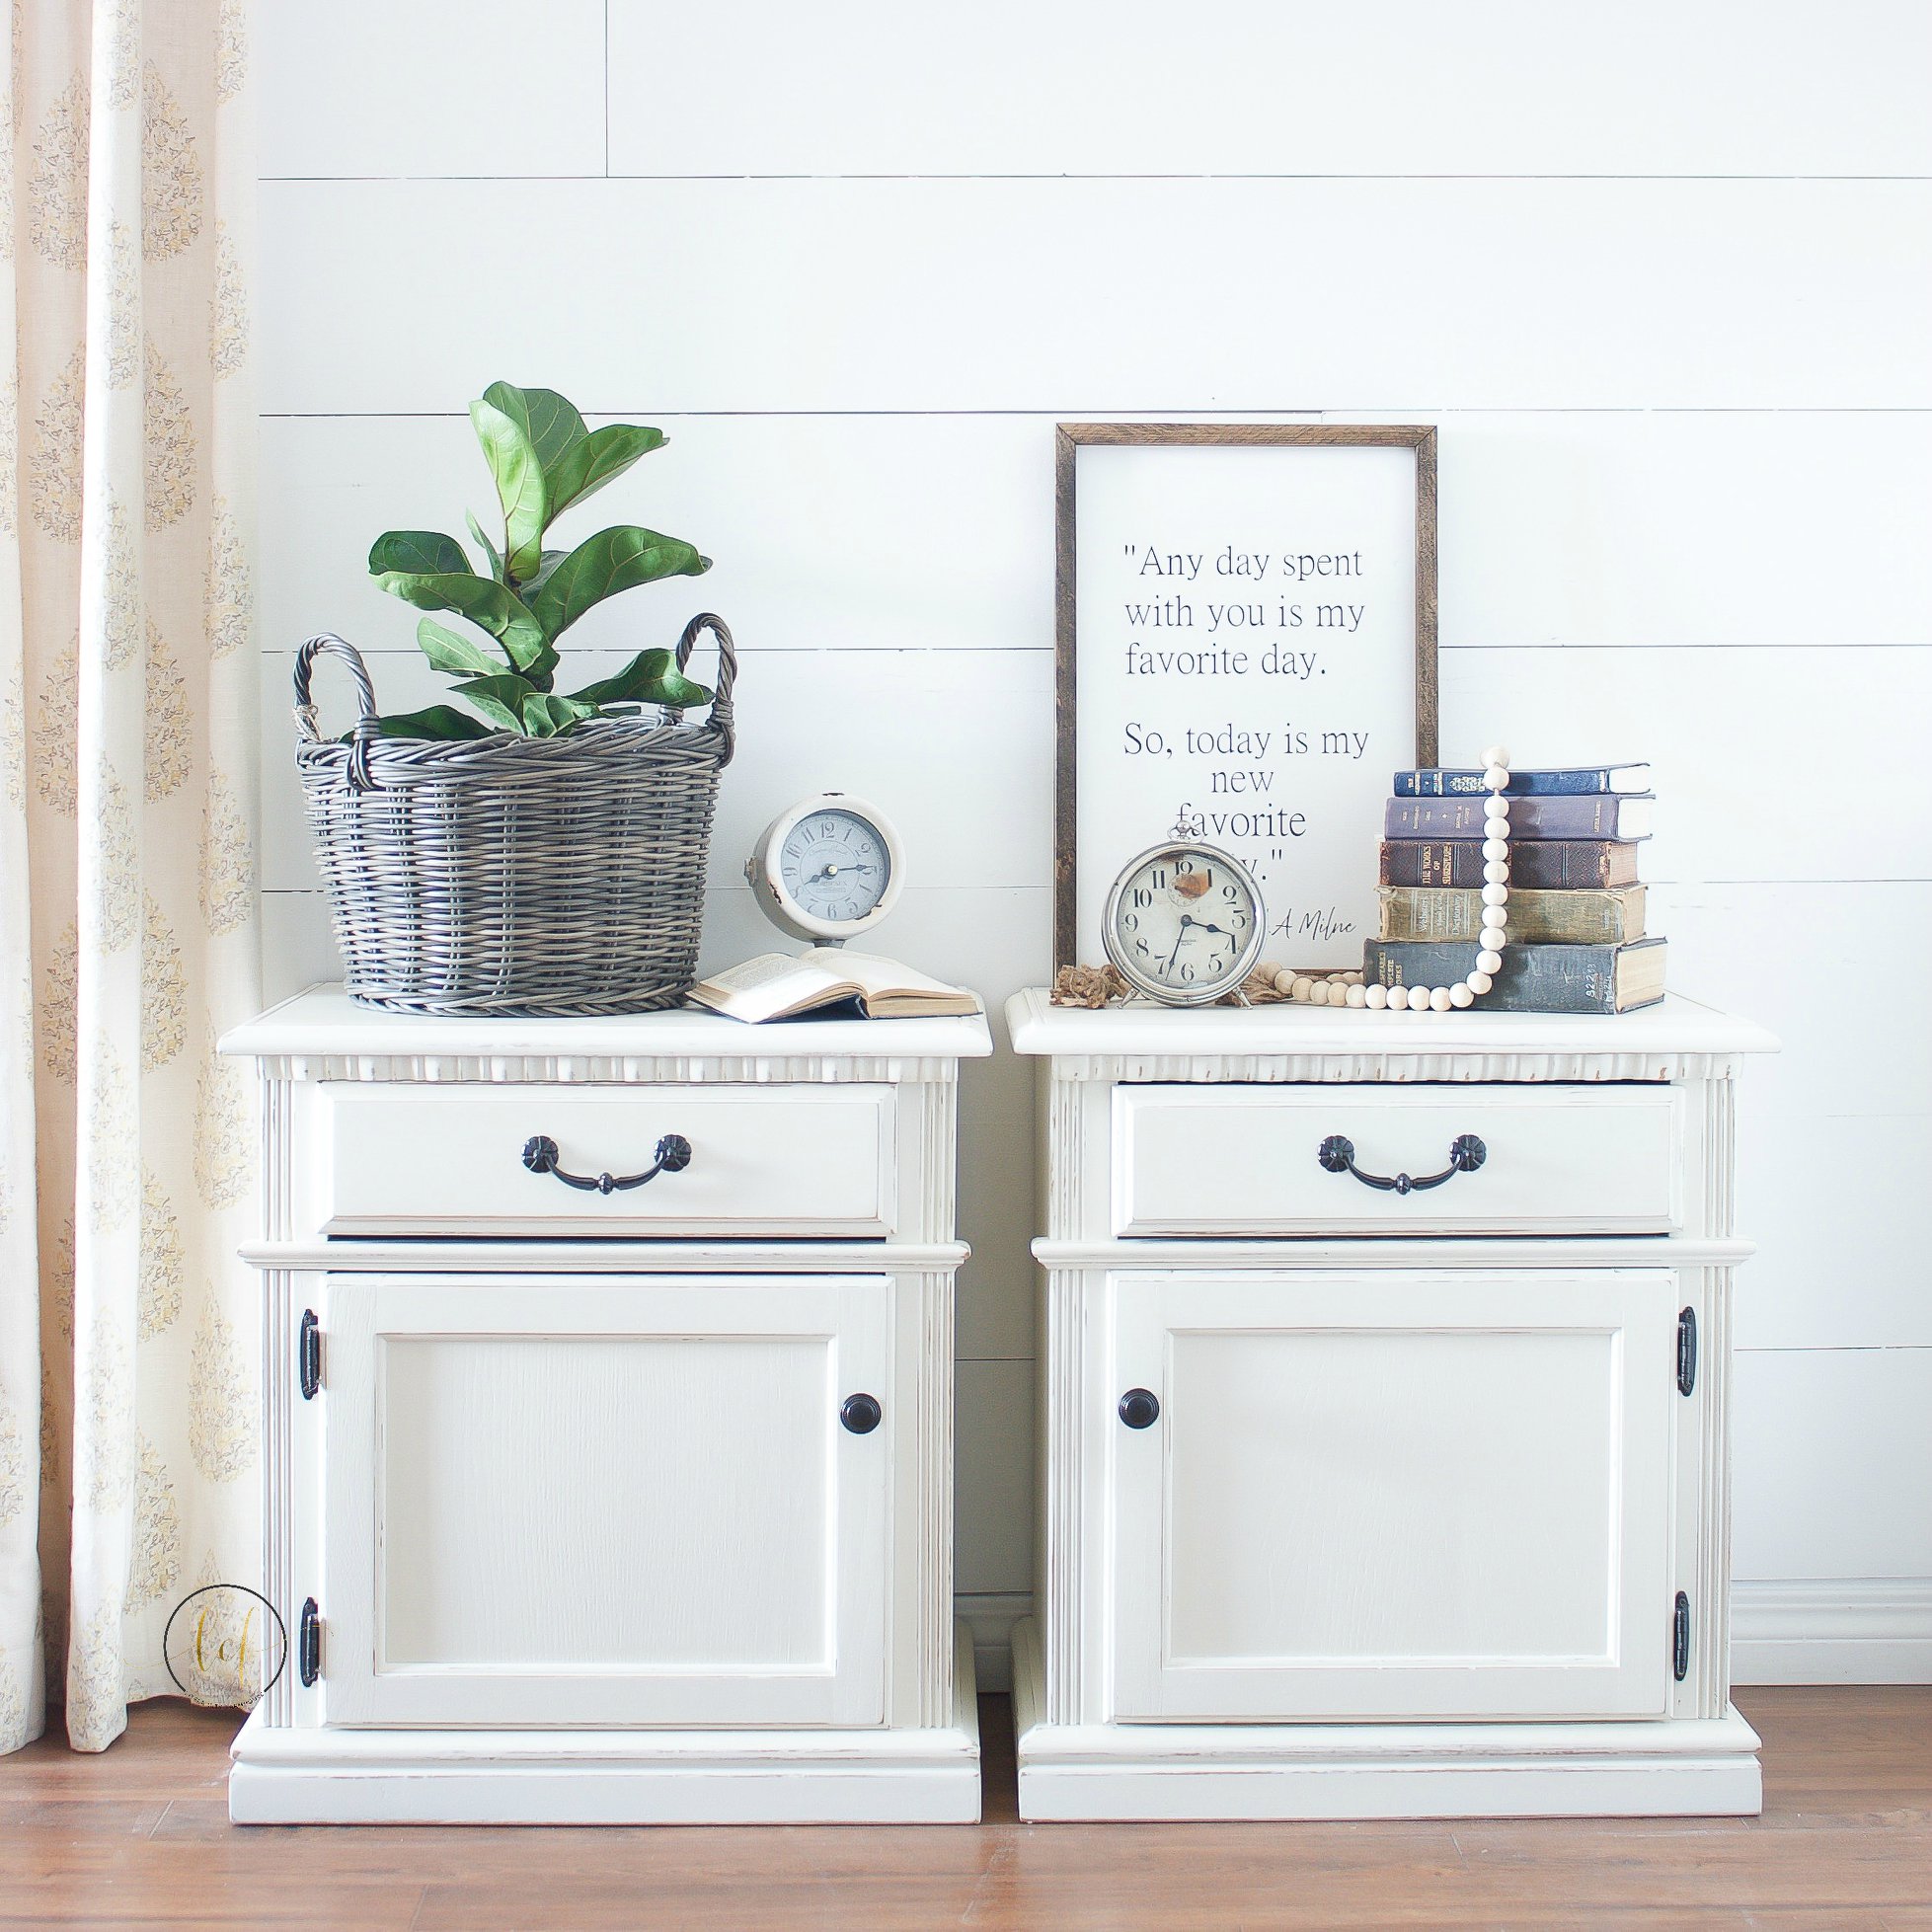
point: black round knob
(861, 1414)
(1141, 1408)
(673, 1154)
(540, 1153)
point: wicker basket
(515, 875)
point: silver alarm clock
(1184, 923)
(827, 869)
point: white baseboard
(991, 1617)
(1841, 1631)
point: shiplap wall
(1662, 275)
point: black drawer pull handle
(673, 1156)
(1338, 1154)
(861, 1414)
(1140, 1409)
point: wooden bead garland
(1347, 988)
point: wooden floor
(140, 1836)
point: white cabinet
(1392, 1495)
(1383, 1414)
(605, 1501)
(608, 1420)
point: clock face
(834, 865)
(1184, 923)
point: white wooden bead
(1496, 848)
(1496, 806)
(1497, 873)
(1479, 981)
(1495, 778)
(1282, 979)
(1460, 995)
(1440, 1000)
(1487, 961)
(1496, 754)
(1318, 993)
(1352, 979)
(1375, 997)
(1357, 996)
(1496, 894)
(1399, 998)
(1298, 987)
(1492, 939)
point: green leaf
(614, 559)
(488, 604)
(546, 715)
(448, 652)
(489, 549)
(423, 553)
(650, 677)
(548, 420)
(440, 721)
(498, 698)
(518, 471)
(600, 458)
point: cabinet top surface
(324, 1020)
(1675, 1026)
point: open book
(782, 985)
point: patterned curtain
(128, 909)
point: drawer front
(1224, 1161)
(763, 1160)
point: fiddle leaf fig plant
(543, 459)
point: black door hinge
(1686, 1350)
(1680, 1638)
(308, 1354)
(308, 1662)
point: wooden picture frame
(1072, 943)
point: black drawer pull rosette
(672, 1156)
(1466, 1154)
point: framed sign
(1246, 652)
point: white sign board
(1247, 654)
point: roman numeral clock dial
(828, 868)
(1184, 924)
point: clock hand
(1186, 919)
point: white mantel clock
(827, 869)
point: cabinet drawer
(763, 1160)
(1246, 1160)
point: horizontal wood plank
(1499, 87)
(1095, 297)
(871, 532)
(1823, 1444)
(409, 87)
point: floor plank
(139, 1836)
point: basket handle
(367, 727)
(721, 697)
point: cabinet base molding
(285, 1775)
(1690, 1767)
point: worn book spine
(1582, 817)
(1435, 782)
(1552, 865)
(1531, 979)
(1564, 919)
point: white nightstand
(608, 1371)
(1384, 1364)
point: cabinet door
(1393, 1495)
(563, 1502)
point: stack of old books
(1575, 910)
